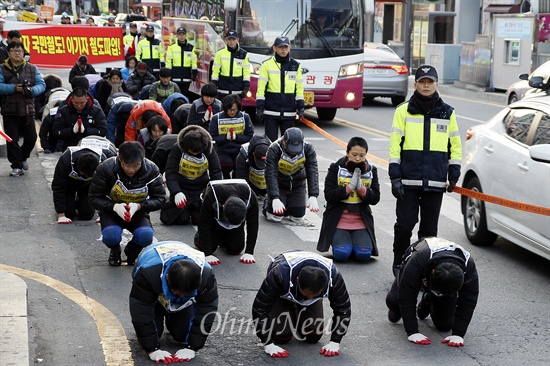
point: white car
(509, 157)
(522, 88)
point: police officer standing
(151, 51)
(425, 152)
(231, 69)
(130, 40)
(280, 90)
(181, 58)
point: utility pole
(408, 32)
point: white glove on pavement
(419, 338)
(184, 355)
(161, 356)
(120, 209)
(64, 220)
(132, 208)
(212, 260)
(454, 341)
(247, 259)
(275, 351)
(331, 349)
(312, 204)
(278, 206)
(180, 200)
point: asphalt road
(76, 312)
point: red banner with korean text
(59, 46)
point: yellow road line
(111, 333)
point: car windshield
(327, 24)
(543, 71)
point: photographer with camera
(20, 82)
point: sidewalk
(14, 343)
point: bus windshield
(309, 24)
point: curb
(14, 343)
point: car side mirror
(540, 153)
(538, 82)
(523, 76)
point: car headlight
(351, 70)
(255, 68)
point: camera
(27, 87)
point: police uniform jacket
(151, 51)
(245, 165)
(150, 287)
(280, 88)
(422, 258)
(221, 124)
(181, 58)
(280, 283)
(425, 150)
(92, 118)
(67, 176)
(214, 196)
(285, 172)
(109, 172)
(336, 181)
(231, 70)
(190, 174)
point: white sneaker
(17, 172)
(273, 218)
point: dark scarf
(282, 60)
(182, 44)
(232, 49)
(419, 104)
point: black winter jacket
(135, 83)
(177, 182)
(334, 194)
(214, 197)
(277, 283)
(79, 71)
(245, 160)
(146, 288)
(66, 175)
(220, 122)
(92, 117)
(413, 276)
(276, 180)
(106, 176)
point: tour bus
(326, 38)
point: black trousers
(442, 310)
(17, 127)
(291, 320)
(76, 199)
(273, 124)
(416, 200)
(178, 323)
(232, 240)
